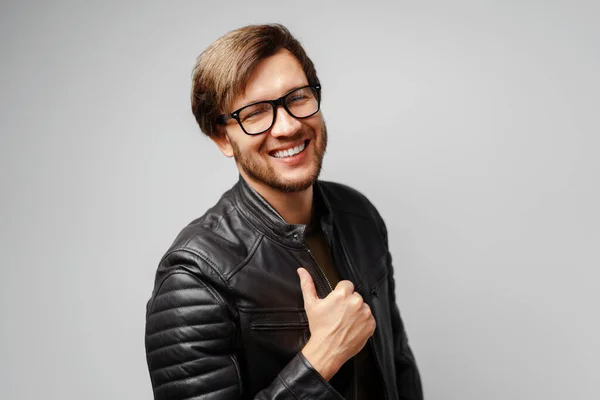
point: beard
(266, 174)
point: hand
(340, 325)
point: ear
(222, 141)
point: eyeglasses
(259, 117)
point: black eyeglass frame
(224, 118)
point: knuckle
(356, 299)
(345, 286)
(372, 324)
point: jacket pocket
(278, 326)
(271, 339)
(276, 331)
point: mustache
(276, 142)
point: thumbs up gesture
(340, 325)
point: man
(284, 289)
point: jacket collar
(268, 220)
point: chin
(284, 182)
(297, 180)
(292, 186)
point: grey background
(472, 125)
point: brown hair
(222, 70)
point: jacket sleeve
(190, 348)
(408, 378)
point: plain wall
(472, 125)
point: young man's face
(255, 155)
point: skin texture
(287, 186)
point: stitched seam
(148, 314)
(179, 344)
(248, 258)
(379, 279)
(175, 290)
(227, 212)
(383, 277)
(175, 365)
(210, 263)
(198, 254)
(239, 373)
(204, 257)
(315, 374)
(215, 294)
(191, 377)
(207, 287)
(149, 336)
(203, 395)
(288, 388)
(181, 308)
(248, 220)
(277, 242)
(222, 218)
(266, 231)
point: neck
(294, 208)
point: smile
(291, 151)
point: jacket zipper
(370, 340)
(320, 269)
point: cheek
(317, 124)
(246, 144)
(256, 145)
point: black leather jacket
(226, 317)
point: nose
(285, 124)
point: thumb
(308, 286)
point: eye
(255, 112)
(297, 97)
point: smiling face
(288, 157)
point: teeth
(290, 152)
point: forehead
(272, 78)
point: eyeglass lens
(257, 118)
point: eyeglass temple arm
(224, 118)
